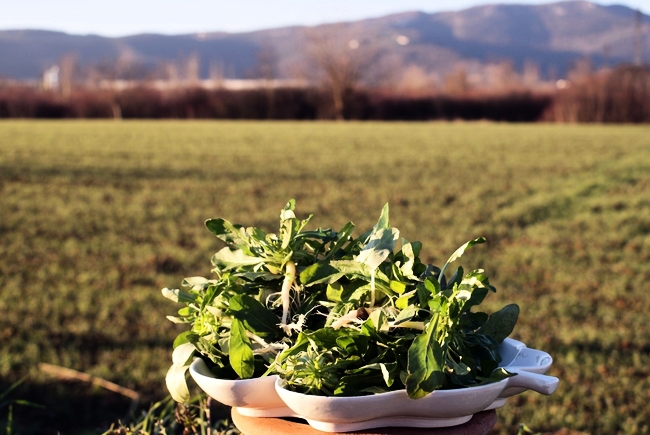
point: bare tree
(192, 69)
(501, 76)
(216, 74)
(456, 82)
(67, 68)
(417, 82)
(267, 64)
(126, 66)
(638, 38)
(339, 61)
(530, 75)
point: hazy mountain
(552, 35)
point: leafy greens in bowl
(248, 312)
(335, 315)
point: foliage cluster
(96, 217)
(618, 95)
(368, 319)
(167, 417)
(279, 104)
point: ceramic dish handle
(541, 383)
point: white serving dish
(265, 397)
(252, 397)
(517, 358)
(439, 409)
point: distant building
(210, 84)
(51, 78)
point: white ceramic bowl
(438, 409)
(265, 397)
(345, 414)
(252, 397)
(517, 358)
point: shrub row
(619, 95)
(307, 103)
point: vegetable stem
(372, 288)
(411, 325)
(256, 338)
(351, 316)
(289, 278)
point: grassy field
(97, 217)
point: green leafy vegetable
(240, 351)
(425, 364)
(337, 315)
(500, 324)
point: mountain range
(551, 36)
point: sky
(127, 17)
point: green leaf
(226, 259)
(501, 324)
(182, 354)
(360, 379)
(182, 338)
(353, 344)
(473, 321)
(423, 295)
(256, 236)
(240, 354)
(175, 378)
(397, 286)
(185, 311)
(409, 251)
(456, 278)
(209, 296)
(351, 268)
(324, 337)
(497, 375)
(406, 314)
(206, 348)
(458, 253)
(177, 384)
(390, 371)
(460, 369)
(177, 295)
(477, 297)
(9, 389)
(229, 233)
(432, 285)
(403, 301)
(287, 217)
(379, 320)
(301, 345)
(179, 320)
(382, 223)
(379, 247)
(342, 237)
(317, 273)
(193, 281)
(255, 316)
(287, 212)
(358, 293)
(252, 276)
(335, 292)
(425, 364)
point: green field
(97, 217)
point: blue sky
(126, 17)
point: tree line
(618, 95)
